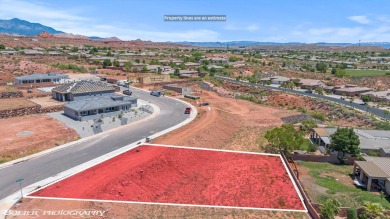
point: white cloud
(35, 11)
(360, 19)
(251, 27)
(70, 21)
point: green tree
(182, 66)
(233, 59)
(321, 67)
(320, 90)
(285, 138)
(109, 53)
(153, 62)
(116, 63)
(340, 73)
(352, 213)
(2, 46)
(366, 98)
(144, 68)
(372, 211)
(106, 63)
(330, 209)
(334, 70)
(308, 125)
(137, 60)
(128, 65)
(345, 140)
(74, 49)
(159, 71)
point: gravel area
(91, 127)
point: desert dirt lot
(150, 173)
(29, 134)
(227, 124)
(15, 103)
(46, 101)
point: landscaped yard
(361, 73)
(324, 180)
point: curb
(8, 202)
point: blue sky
(277, 20)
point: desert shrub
(385, 125)
(319, 116)
(302, 110)
(330, 209)
(372, 210)
(352, 213)
(312, 147)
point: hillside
(22, 27)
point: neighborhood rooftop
(99, 102)
(84, 87)
(40, 76)
(369, 139)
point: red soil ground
(184, 176)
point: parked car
(309, 91)
(103, 79)
(204, 104)
(155, 93)
(187, 110)
(127, 92)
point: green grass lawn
(361, 73)
(347, 195)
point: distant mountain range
(25, 28)
(17, 26)
(256, 43)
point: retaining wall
(306, 200)
(16, 94)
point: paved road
(375, 111)
(172, 113)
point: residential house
(41, 78)
(96, 107)
(276, 79)
(188, 74)
(310, 84)
(370, 140)
(373, 172)
(81, 90)
(378, 95)
(352, 91)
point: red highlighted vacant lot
(184, 176)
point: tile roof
(84, 87)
